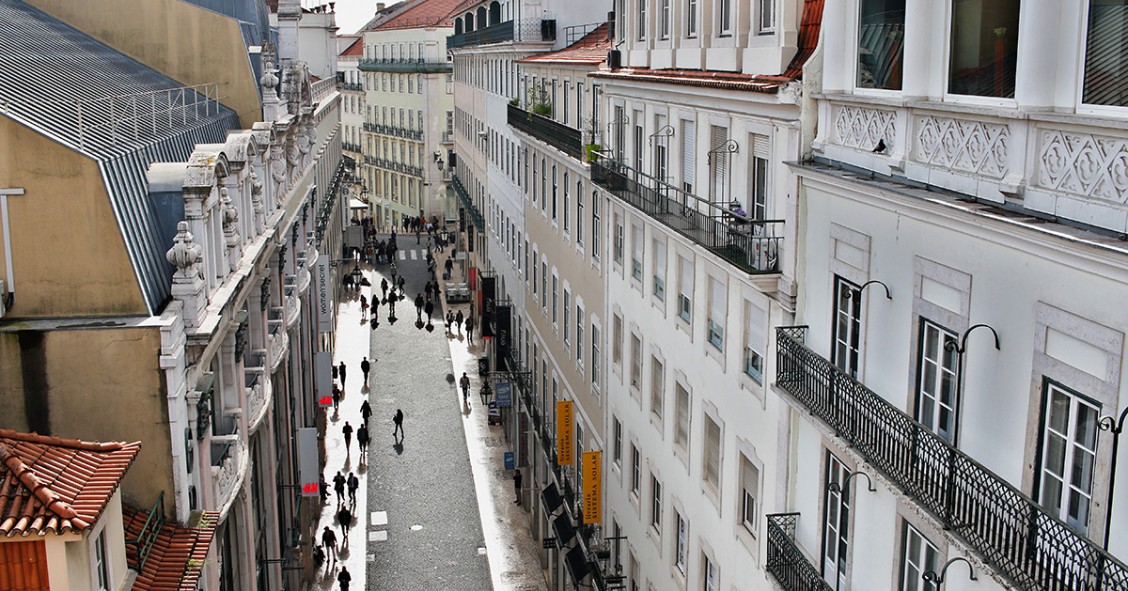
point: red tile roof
(422, 14)
(55, 485)
(176, 557)
(590, 49)
(809, 26)
(355, 49)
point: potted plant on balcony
(537, 100)
(591, 134)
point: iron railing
(448, 137)
(468, 203)
(751, 245)
(405, 65)
(323, 88)
(491, 34)
(350, 86)
(555, 134)
(1012, 532)
(149, 533)
(786, 562)
(127, 116)
(576, 32)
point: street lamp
(1116, 427)
(486, 393)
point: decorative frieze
(864, 128)
(1085, 164)
(965, 145)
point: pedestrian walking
(353, 484)
(458, 320)
(428, 309)
(318, 556)
(374, 322)
(365, 412)
(449, 320)
(449, 266)
(348, 431)
(329, 540)
(419, 306)
(362, 439)
(395, 272)
(341, 372)
(469, 329)
(398, 420)
(427, 291)
(344, 578)
(365, 366)
(517, 486)
(384, 287)
(323, 488)
(336, 397)
(339, 486)
(464, 382)
(402, 281)
(345, 518)
(363, 306)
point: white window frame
(846, 326)
(655, 505)
(691, 19)
(931, 406)
(1073, 449)
(836, 524)
(681, 541)
(748, 513)
(657, 391)
(918, 556)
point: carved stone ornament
(230, 216)
(184, 254)
(257, 202)
(264, 302)
(240, 341)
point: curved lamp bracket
(961, 347)
(932, 577)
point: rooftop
(355, 49)
(54, 485)
(591, 49)
(175, 558)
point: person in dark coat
(353, 484)
(344, 578)
(429, 309)
(517, 486)
(348, 431)
(365, 367)
(470, 330)
(398, 420)
(458, 320)
(341, 372)
(329, 540)
(339, 486)
(362, 439)
(365, 412)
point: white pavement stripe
(403, 255)
(415, 255)
(378, 536)
(379, 518)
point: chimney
(380, 7)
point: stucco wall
(185, 42)
(63, 268)
(98, 385)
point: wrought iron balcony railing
(405, 65)
(350, 86)
(786, 562)
(491, 34)
(448, 137)
(468, 204)
(1012, 532)
(555, 134)
(751, 245)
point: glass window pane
(1106, 54)
(881, 33)
(984, 47)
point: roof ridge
(40, 489)
(61, 442)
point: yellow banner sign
(593, 486)
(565, 447)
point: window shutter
(716, 301)
(755, 322)
(689, 151)
(720, 163)
(685, 279)
(636, 242)
(659, 258)
(761, 147)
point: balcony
(468, 203)
(322, 89)
(259, 393)
(786, 561)
(228, 469)
(1032, 548)
(278, 343)
(557, 135)
(405, 65)
(395, 131)
(751, 245)
(303, 281)
(291, 311)
(354, 86)
(448, 137)
(498, 33)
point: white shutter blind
(636, 242)
(685, 278)
(659, 258)
(761, 147)
(755, 323)
(720, 163)
(716, 301)
(689, 151)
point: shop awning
(565, 531)
(552, 498)
(578, 564)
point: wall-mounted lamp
(888, 295)
(932, 577)
(835, 487)
(1116, 427)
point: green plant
(513, 102)
(537, 100)
(592, 151)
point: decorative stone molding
(228, 476)
(230, 228)
(258, 400)
(1085, 164)
(279, 347)
(291, 310)
(278, 169)
(188, 280)
(962, 144)
(257, 203)
(862, 128)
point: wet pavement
(435, 510)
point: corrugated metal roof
(64, 84)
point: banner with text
(324, 294)
(323, 374)
(565, 447)
(489, 306)
(307, 462)
(504, 345)
(593, 486)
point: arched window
(482, 17)
(495, 12)
(469, 22)
(457, 26)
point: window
(544, 286)
(710, 573)
(595, 355)
(554, 300)
(617, 340)
(681, 416)
(618, 246)
(594, 226)
(719, 164)
(636, 361)
(711, 458)
(638, 141)
(749, 492)
(567, 324)
(685, 289)
(1106, 62)
(659, 288)
(580, 337)
(635, 573)
(717, 303)
(642, 19)
(681, 543)
(755, 322)
(636, 470)
(657, 388)
(664, 20)
(724, 17)
(691, 18)
(836, 521)
(881, 33)
(919, 557)
(984, 48)
(656, 504)
(637, 237)
(1068, 454)
(544, 186)
(689, 153)
(554, 192)
(564, 107)
(767, 16)
(101, 562)
(847, 326)
(936, 389)
(617, 449)
(761, 151)
(567, 203)
(580, 213)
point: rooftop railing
(786, 561)
(405, 65)
(752, 245)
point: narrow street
(435, 509)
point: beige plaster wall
(68, 254)
(101, 385)
(185, 42)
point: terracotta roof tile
(422, 14)
(177, 555)
(55, 485)
(355, 49)
(589, 49)
(809, 25)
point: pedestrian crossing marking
(379, 518)
(403, 255)
(415, 255)
(378, 536)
